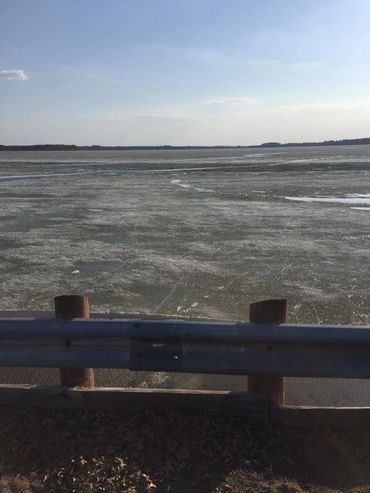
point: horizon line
(356, 141)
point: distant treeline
(66, 147)
(342, 142)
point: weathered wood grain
(311, 417)
(269, 311)
(250, 407)
(69, 307)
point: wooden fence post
(69, 307)
(268, 311)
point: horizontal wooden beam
(311, 417)
(253, 408)
(103, 315)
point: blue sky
(188, 72)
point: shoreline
(266, 145)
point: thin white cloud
(331, 105)
(232, 101)
(13, 74)
(265, 63)
(232, 58)
(98, 77)
(192, 53)
(108, 80)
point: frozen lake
(198, 233)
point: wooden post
(69, 307)
(268, 311)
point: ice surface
(187, 185)
(202, 189)
(359, 199)
(143, 243)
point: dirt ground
(90, 451)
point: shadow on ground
(63, 451)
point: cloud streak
(234, 58)
(13, 74)
(232, 101)
(108, 80)
(330, 105)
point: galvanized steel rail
(188, 346)
(267, 350)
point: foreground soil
(89, 451)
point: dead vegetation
(63, 451)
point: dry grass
(63, 451)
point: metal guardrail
(267, 349)
(188, 346)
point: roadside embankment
(93, 451)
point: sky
(176, 72)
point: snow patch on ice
(204, 190)
(361, 199)
(186, 185)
